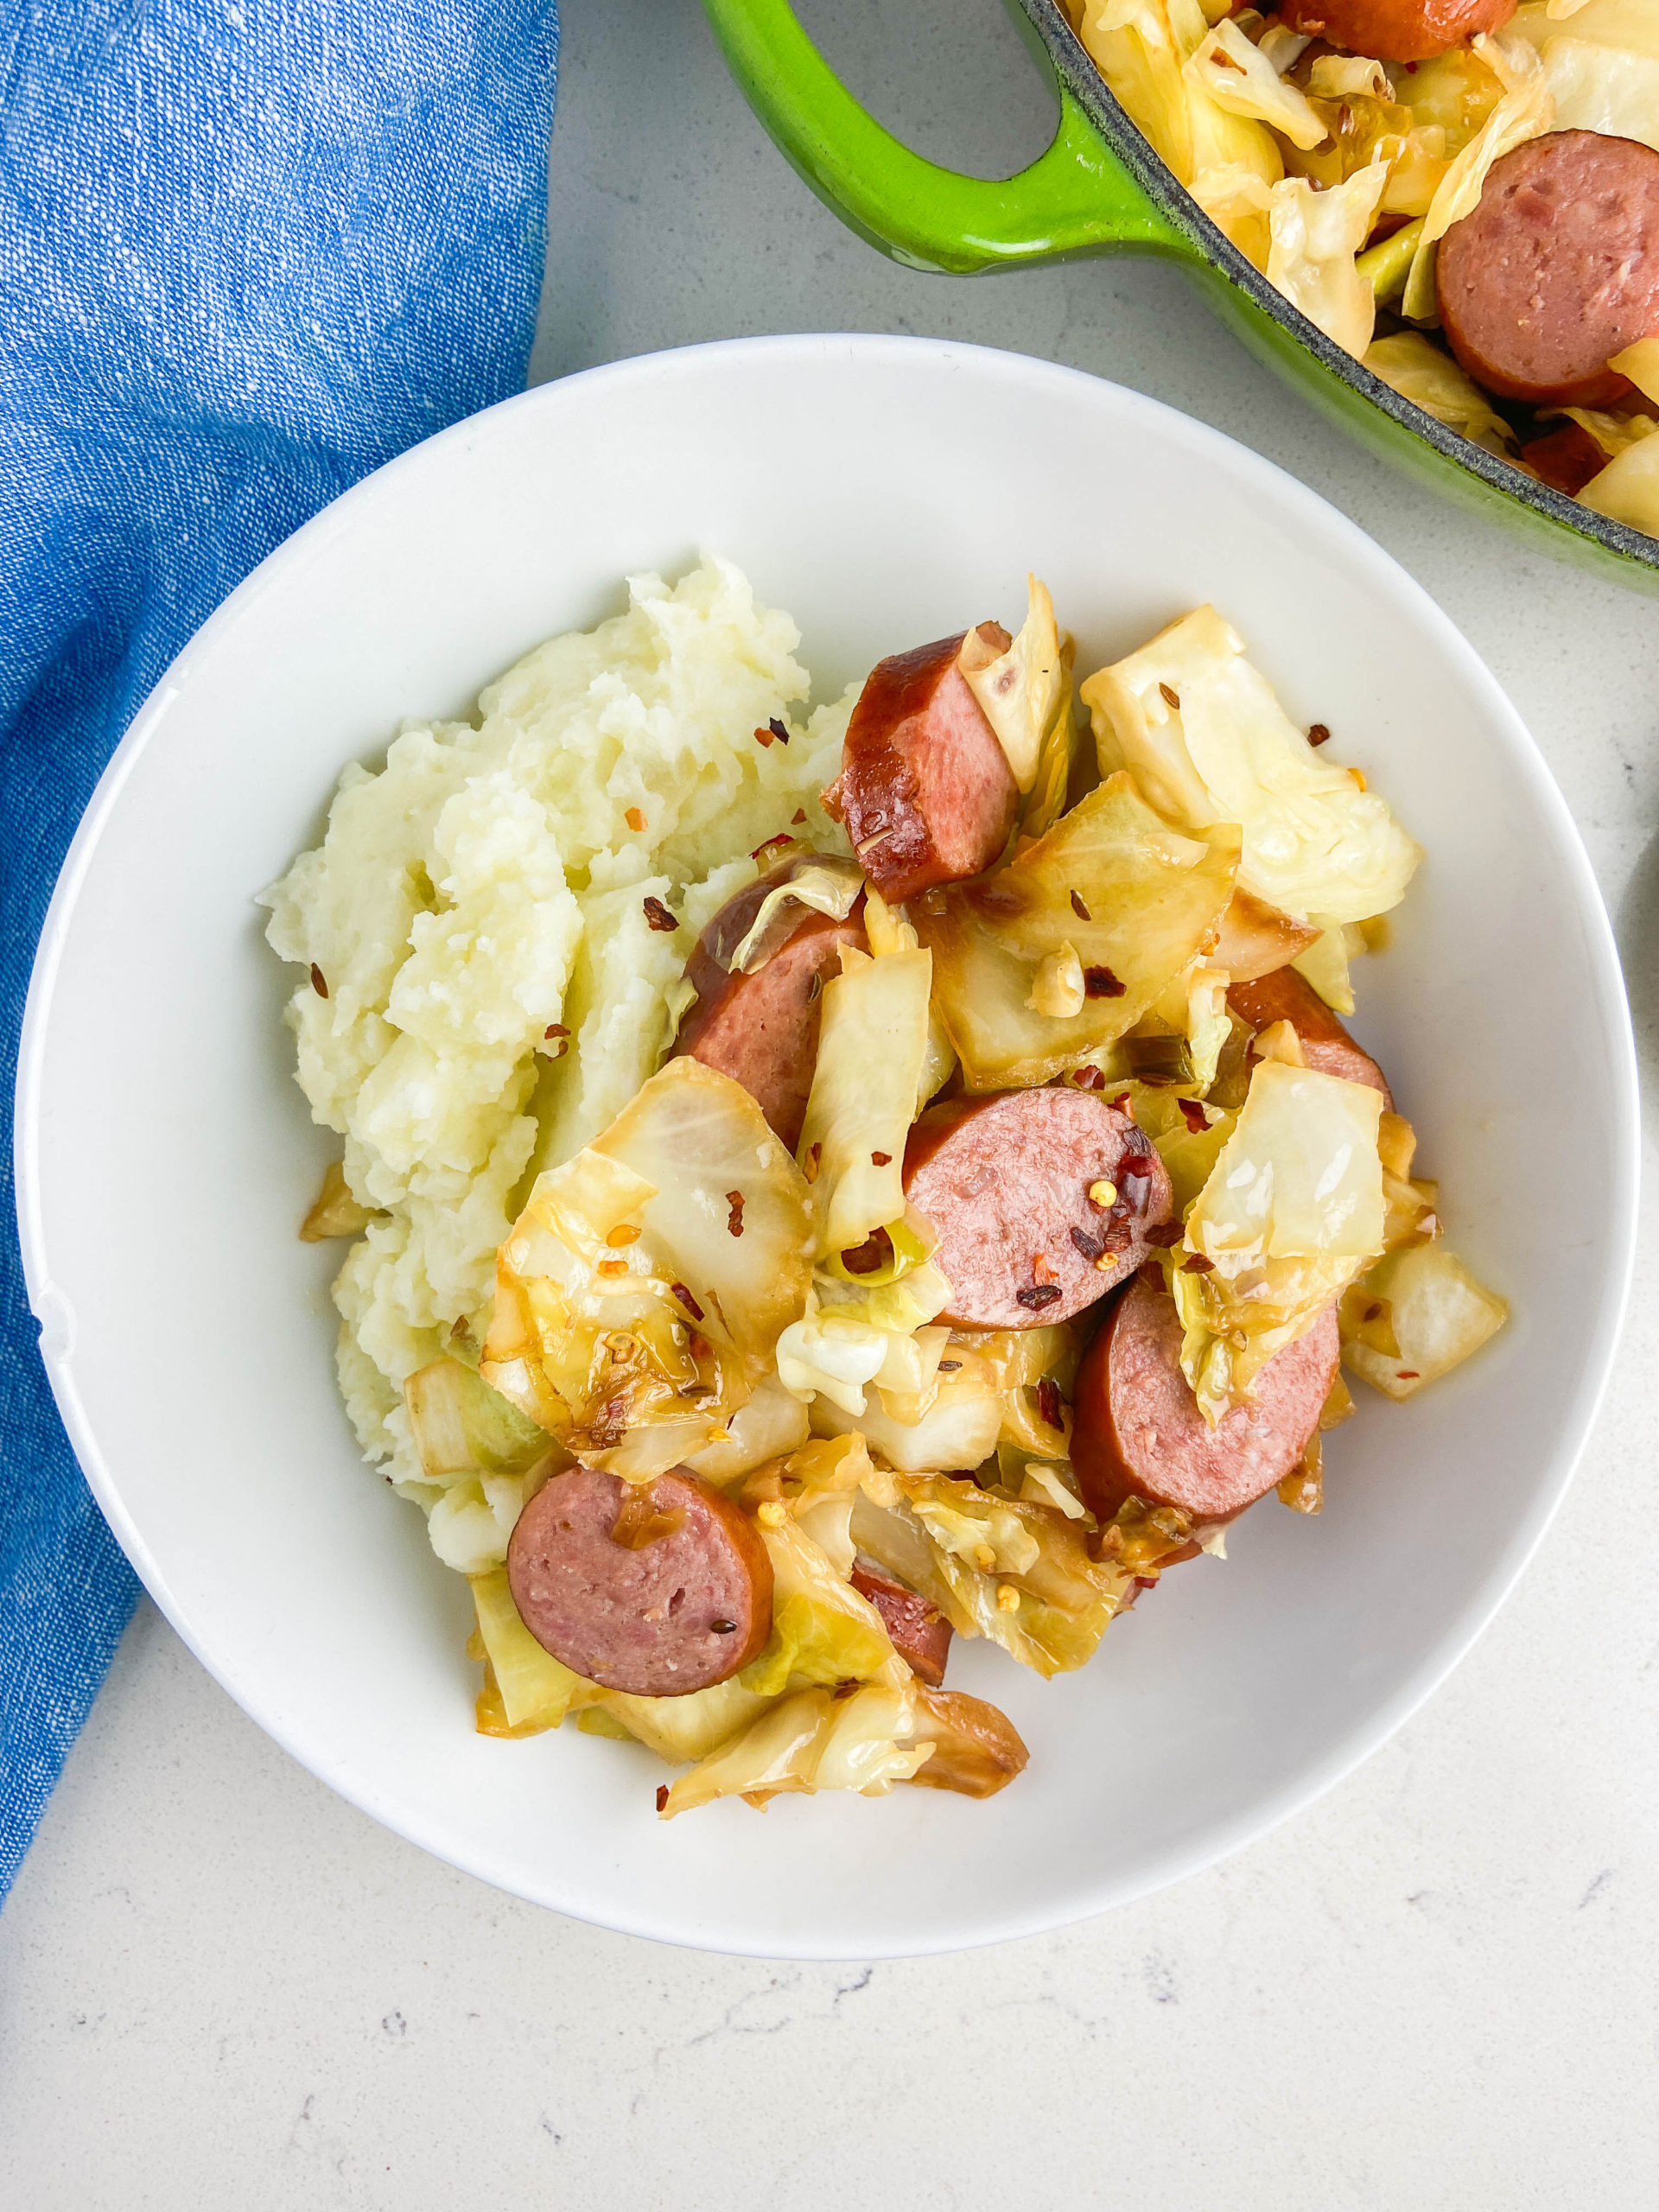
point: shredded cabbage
(809, 1741)
(1135, 899)
(1316, 237)
(1240, 78)
(1426, 374)
(1205, 740)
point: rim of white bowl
(1438, 1659)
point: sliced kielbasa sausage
(924, 789)
(762, 1030)
(920, 1633)
(1396, 30)
(1285, 995)
(1555, 270)
(656, 1589)
(1139, 1432)
(1042, 1201)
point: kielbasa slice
(762, 1030)
(1139, 1432)
(1556, 268)
(925, 790)
(1286, 995)
(920, 1633)
(655, 1589)
(1396, 30)
(1006, 1182)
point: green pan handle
(1075, 199)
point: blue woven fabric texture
(249, 250)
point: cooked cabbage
(809, 1741)
(1603, 72)
(958, 1428)
(1416, 1315)
(1290, 1214)
(1315, 239)
(976, 1749)
(1525, 111)
(334, 1212)
(1424, 374)
(1206, 742)
(852, 1334)
(1049, 1613)
(1136, 899)
(771, 1424)
(1299, 1177)
(1239, 77)
(828, 885)
(871, 1049)
(470, 1522)
(1325, 964)
(681, 1728)
(461, 1426)
(1024, 689)
(1627, 490)
(536, 1690)
(630, 1322)
(1256, 939)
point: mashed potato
(487, 886)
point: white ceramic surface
(884, 491)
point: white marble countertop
(218, 1984)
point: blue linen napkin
(249, 250)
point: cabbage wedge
(1135, 899)
(630, 1322)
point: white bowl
(884, 491)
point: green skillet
(1100, 188)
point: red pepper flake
(814, 1160)
(948, 1366)
(662, 1796)
(1408, 1374)
(1198, 1265)
(1090, 1247)
(634, 818)
(779, 730)
(1374, 1312)
(1164, 1234)
(1043, 1294)
(1172, 697)
(687, 1300)
(1319, 734)
(1117, 1237)
(1079, 909)
(555, 1029)
(874, 1252)
(800, 815)
(881, 1159)
(1048, 1403)
(1088, 1079)
(763, 737)
(658, 916)
(1123, 1104)
(734, 1217)
(1101, 984)
(319, 981)
(1194, 1116)
(1041, 1269)
(782, 838)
